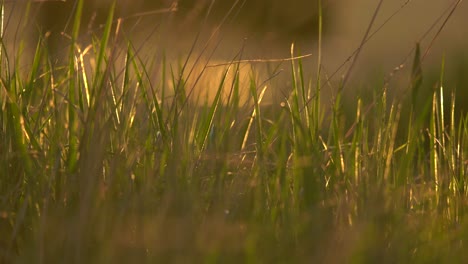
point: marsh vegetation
(121, 150)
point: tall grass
(98, 165)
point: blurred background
(260, 29)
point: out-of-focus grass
(98, 165)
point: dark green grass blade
(152, 100)
(72, 115)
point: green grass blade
(72, 115)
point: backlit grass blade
(18, 135)
(393, 121)
(433, 148)
(84, 92)
(416, 75)
(206, 128)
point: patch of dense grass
(98, 165)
